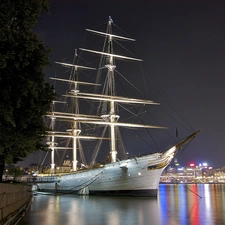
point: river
(177, 204)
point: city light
(193, 173)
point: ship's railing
(44, 179)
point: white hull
(137, 176)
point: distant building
(192, 174)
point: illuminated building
(201, 173)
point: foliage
(15, 172)
(25, 96)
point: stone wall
(13, 198)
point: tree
(25, 96)
(16, 172)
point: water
(193, 204)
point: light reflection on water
(193, 204)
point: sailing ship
(133, 176)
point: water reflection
(194, 204)
(201, 204)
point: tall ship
(85, 123)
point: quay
(14, 200)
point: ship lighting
(170, 152)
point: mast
(52, 144)
(75, 130)
(111, 117)
(111, 82)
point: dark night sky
(182, 43)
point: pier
(14, 199)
